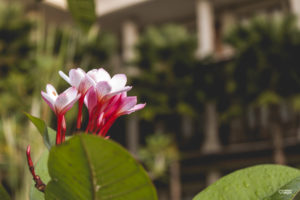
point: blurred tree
(15, 92)
(161, 157)
(165, 61)
(158, 154)
(173, 82)
(210, 91)
(266, 70)
(266, 57)
(15, 48)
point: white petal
(76, 75)
(51, 91)
(93, 74)
(102, 75)
(118, 82)
(64, 76)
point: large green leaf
(290, 191)
(251, 183)
(48, 134)
(41, 169)
(83, 11)
(3, 194)
(88, 167)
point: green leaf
(3, 194)
(83, 11)
(290, 191)
(88, 167)
(41, 169)
(48, 134)
(250, 183)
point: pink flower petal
(112, 106)
(65, 99)
(90, 99)
(127, 103)
(102, 89)
(49, 100)
(135, 108)
(122, 90)
(85, 84)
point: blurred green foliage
(15, 61)
(31, 54)
(264, 70)
(165, 60)
(267, 60)
(158, 154)
(83, 12)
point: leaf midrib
(91, 169)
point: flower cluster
(104, 96)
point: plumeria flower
(60, 104)
(82, 82)
(106, 85)
(79, 79)
(99, 75)
(90, 102)
(104, 96)
(123, 106)
(100, 120)
(97, 108)
(100, 79)
(106, 91)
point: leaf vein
(91, 169)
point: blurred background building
(221, 92)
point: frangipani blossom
(90, 100)
(107, 85)
(101, 118)
(79, 79)
(123, 106)
(104, 96)
(60, 104)
(99, 75)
